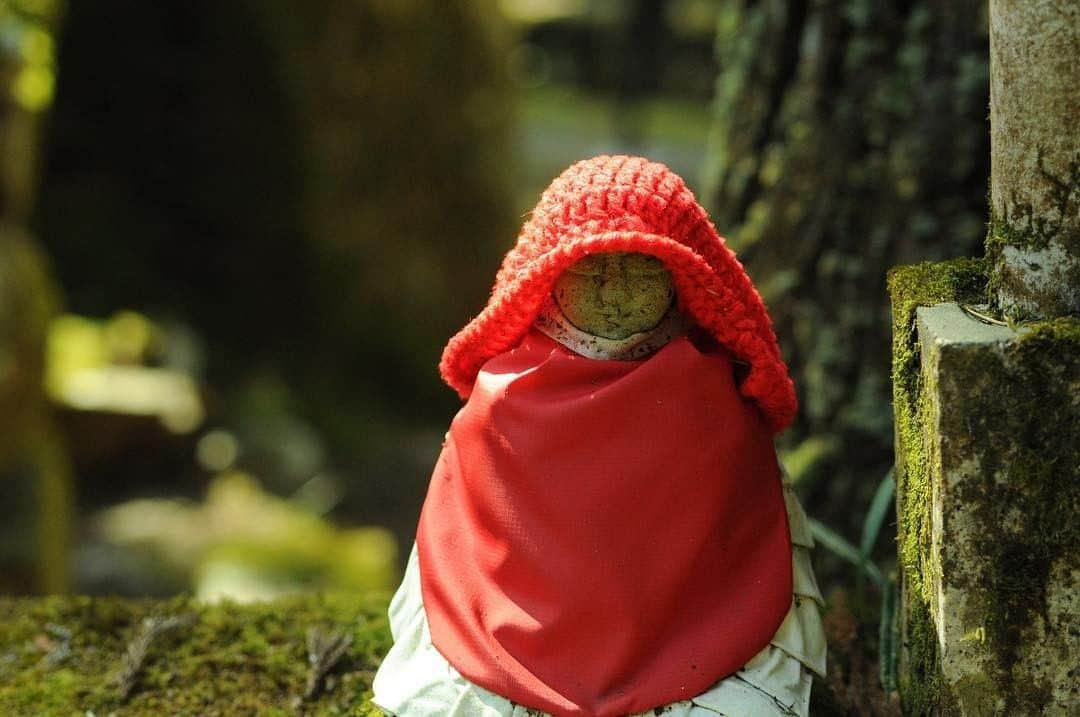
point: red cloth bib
(604, 537)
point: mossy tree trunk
(35, 476)
(1035, 181)
(849, 135)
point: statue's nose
(615, 289)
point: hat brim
(701, 292)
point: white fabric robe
(415, 680)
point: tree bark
(1035, 156)
(848, 137)
(35, 476)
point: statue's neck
(553, 323)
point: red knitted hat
(628, 204)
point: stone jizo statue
(606, 531)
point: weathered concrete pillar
(988, 458)
(1034, 241)
(988, 413)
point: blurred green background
(234, 238)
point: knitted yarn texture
(628, 204)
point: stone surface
(999, 553)
(948, 325)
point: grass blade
(880, 506)
(835, 543)
(889, 644)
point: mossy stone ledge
(64, 656)
(988, 470)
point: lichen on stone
(1020, 409)
(1034, 270)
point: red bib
(604, 537)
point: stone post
(988, 412)
(1035, 156)
(988, 444)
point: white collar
(554, 324)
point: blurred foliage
(99, 366)
(326, 178)
(561, 124)
(243, 543)
(314, 194)
(25, 33)
(77, 343)
(632, 49)
(27, 78)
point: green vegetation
(910, 287)
(63, 656)
(245, 543)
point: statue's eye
(643, 265)
(592, 265)
(632, 263)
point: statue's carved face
(615, 294)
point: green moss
(1021, 231)
(1033, 477)
(1032, 237)
(1022, 226)
(921, 682)
(910, 287)
(234, 659)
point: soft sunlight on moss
(61, 656)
